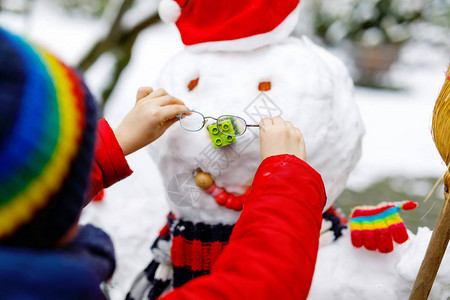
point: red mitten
(374, 227)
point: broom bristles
(441, 121)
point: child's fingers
(168, 123)
(291, 128)
(167, 100)
(143, 92)
(171, 111)
(299, 133)
(264, 123)
(158, 93)
(279, 121)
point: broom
(441, 233)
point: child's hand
(280, 137)
(153, 113)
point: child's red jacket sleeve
(273, 247)
(110, 165)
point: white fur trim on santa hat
(281, 32)
(169, 11)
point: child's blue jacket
(74, 272)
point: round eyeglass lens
(232, 125)
(192, 120)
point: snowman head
(294, 79)
(224, 25)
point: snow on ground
(398, 139)
(339, 274)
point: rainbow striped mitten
(374, 227)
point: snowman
(240, 65)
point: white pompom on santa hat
(169, 11)
(230, 25)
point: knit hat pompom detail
(46, 143)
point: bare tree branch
(119, 42)
(107, 43)
(117, 23)
(150, 20)
(122, 53)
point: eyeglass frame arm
(216, 119)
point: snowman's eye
(193, 84)
(265, 86)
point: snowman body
(308, 87)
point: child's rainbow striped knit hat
(47, 135)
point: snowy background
(397, 143)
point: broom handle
(433, 257)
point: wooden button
(203, 180)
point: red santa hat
(207, 21)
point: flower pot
(372, 62)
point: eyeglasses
(192, 120)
